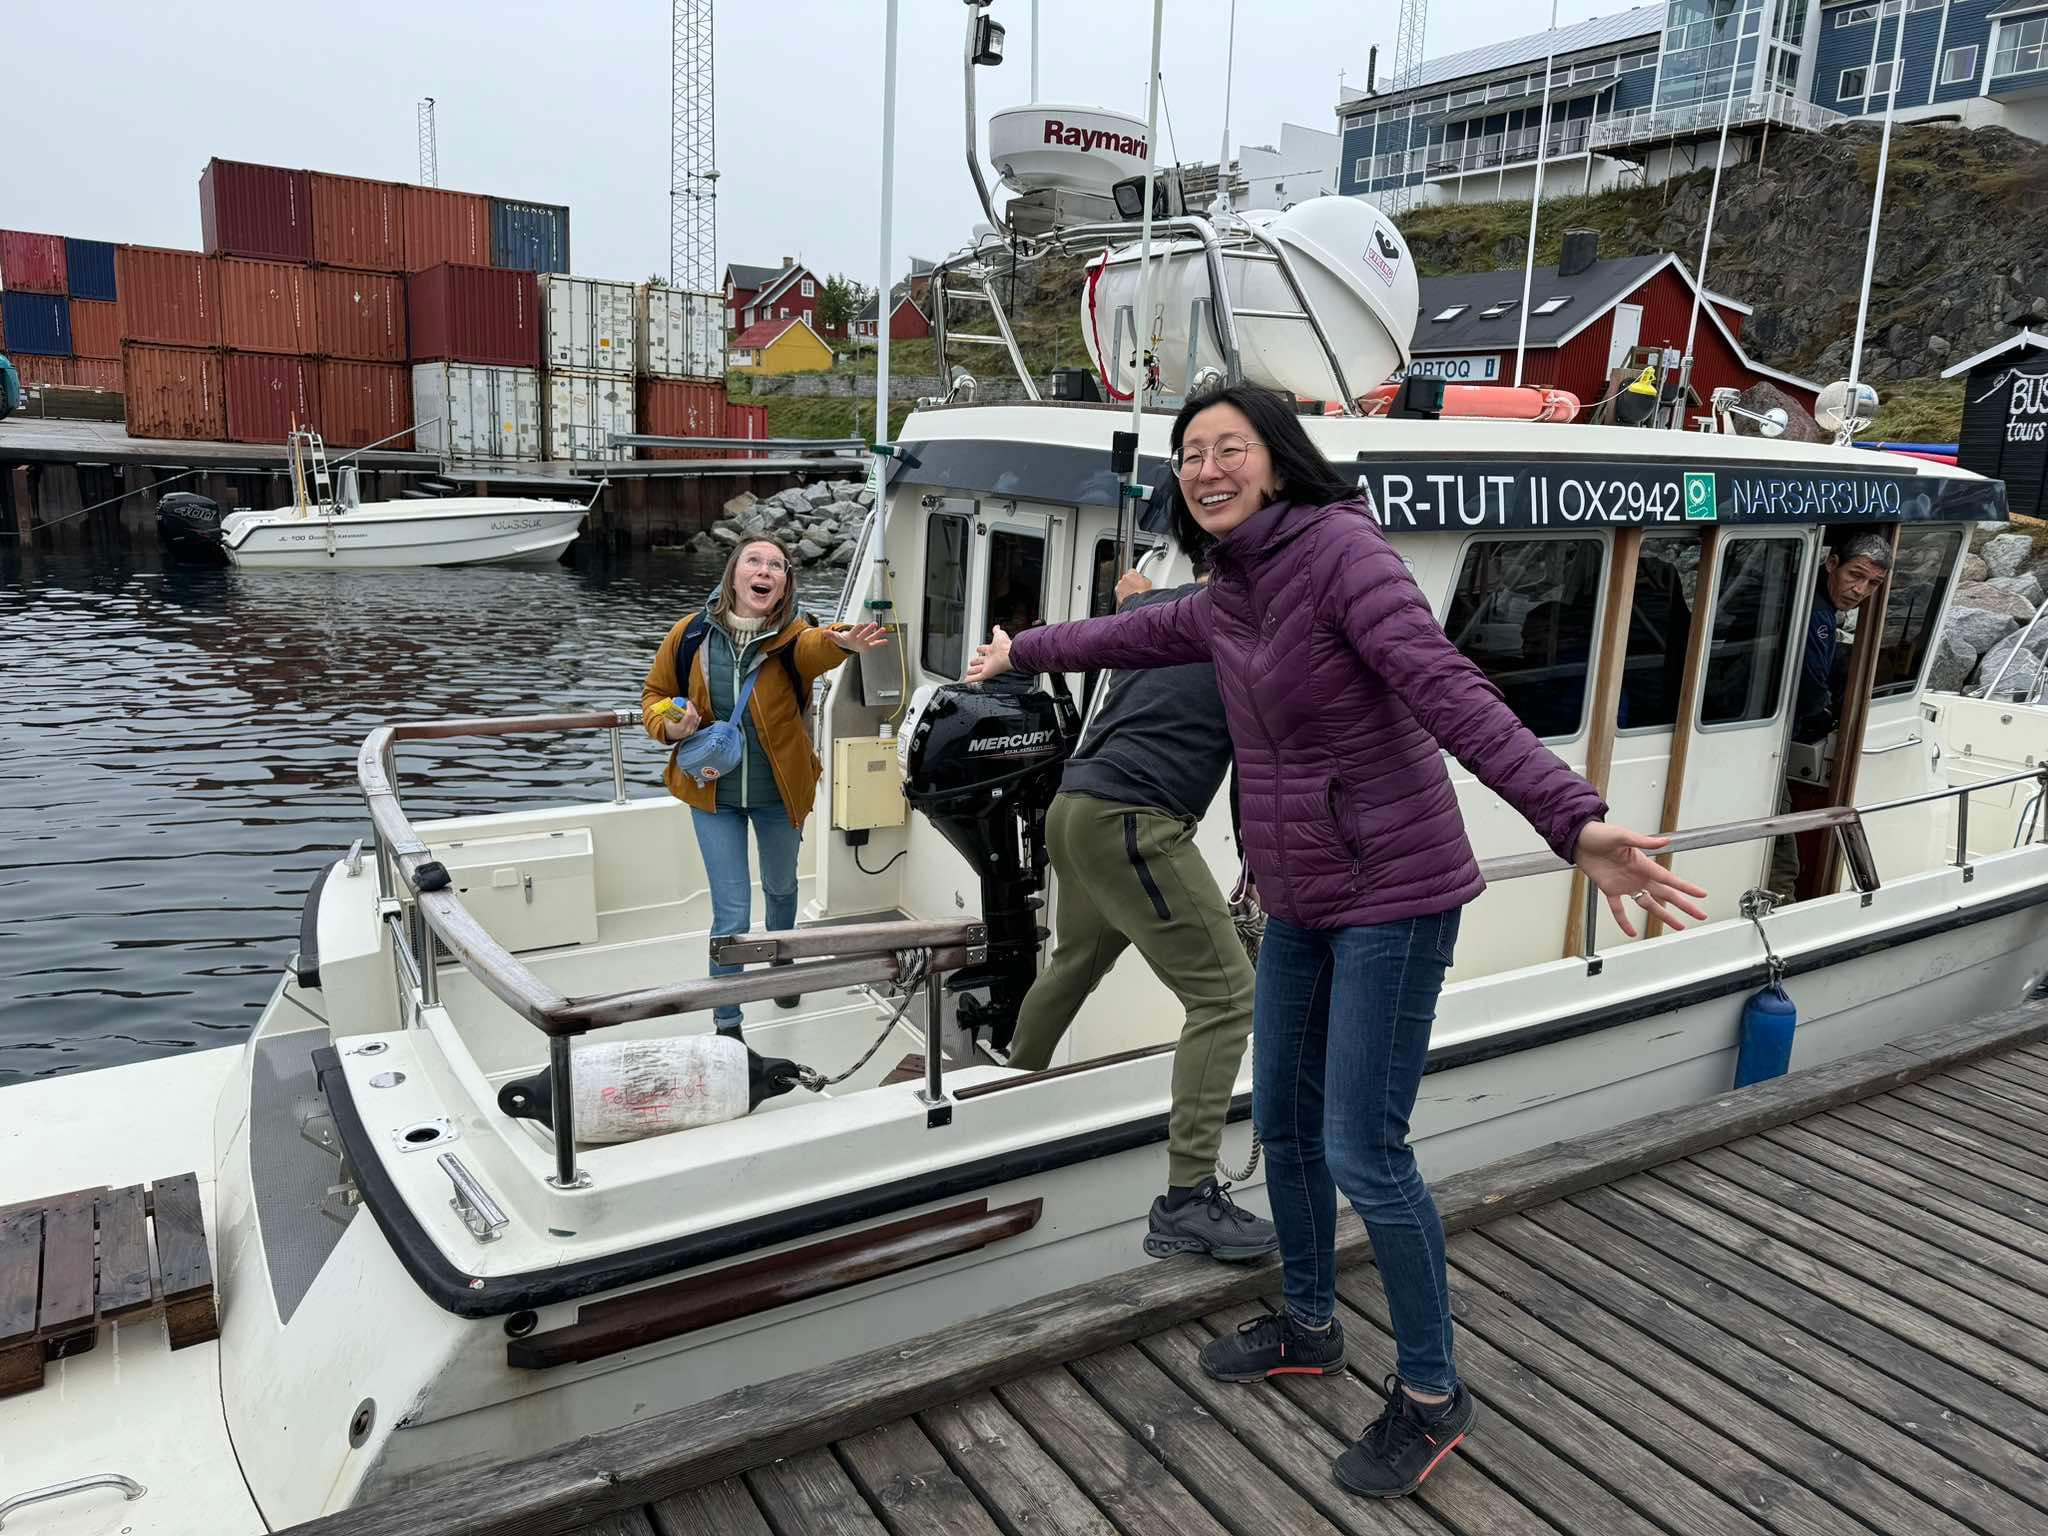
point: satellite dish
(1774, 421)
(1843, 407)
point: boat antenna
(1034, 49)
(1127, 517)
(1536, 197)
(1699, 280)
(1884, 149)
(879, 480)
(1222, 204)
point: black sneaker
(1275, 1346)
(1210, 1222)
(786, 1002)
(1403, 1445)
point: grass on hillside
(823, 416)
(1918, 411)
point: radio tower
(1407, 63)
(430, 159)
(693, 151)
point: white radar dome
(1051, 147)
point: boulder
(2027, 585)
(791, 500)
(1980, 629)
(739, 506)
(843, 555)
(807, 552)
(1951, 667)
(866, 497)
(1986, 598)
(847, 511)
(2007, 553)
(2014, 682)
(1975, 568)
(726, 535)
(820, 495)
(1994, 657)
(1762, 396)
(822, 534)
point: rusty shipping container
(365, 403)
(268, 395)
(463, 314)
(446, 226)
(168, 298)
(358, 223)
(32, 263)
(266, 306)
(264, 212)
(70, 372)
(173, 392)
(95, 329)
(681, 408)
(359, 315)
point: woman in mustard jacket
(750, 628)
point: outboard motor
(983, 764)
(188, 527)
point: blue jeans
(722, 838)
(1340, 1031)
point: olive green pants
(1131, 875)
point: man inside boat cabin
(1850, 575)
(1122, 838)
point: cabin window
(1016, 580)
(1755, 603)
(1913, 613)
(1102, 578)
(1659, 624)
(1523, 611)
(943, 649)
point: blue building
(1640, 95)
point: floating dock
(1817, 1307)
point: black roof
(751, 277)
(1600, 285)
(896, 297)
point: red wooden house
(906, 321)
(757, 294)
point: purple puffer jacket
(1338, 685)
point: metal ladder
(309, 453)
(977, 289)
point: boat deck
(1818, 1306)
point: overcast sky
(114, 108)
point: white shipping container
(469, 411)
(587, 324)
(584, 409)
(682, 334)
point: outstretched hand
(991, 660)
(859, 637)
(1617, 860)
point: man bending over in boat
(1849, 575)
(1122, 838)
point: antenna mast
(693, 150)
(1407, 64)
(430, 154)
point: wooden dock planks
(1819, 1311)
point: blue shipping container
(36, 322)
(529, 237)
(89, 269)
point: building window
(943, 649)
(785, 313)
(1753, 611)
(1852, 81)
(1552, 306)
(1449, 314)
(1919, 582)
(1362, 171)
(2021, 48)
(808, 288)
(1523, 612)
(1959, 65)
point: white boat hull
(473, 530)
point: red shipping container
(358, 223)
(462, 314)
(446, 226)
(173, 392)
(746, 420)
(260, 211)
(359, 315)
(168, 298)
(365, 403)
(32, 263)
(96, 372)
(268, 395)
(681, 408)
(96, 328)
(266, 306)
(72, 372)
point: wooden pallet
(71, 1262)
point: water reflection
(178, 745)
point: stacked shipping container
(589, 326)
(57, 320)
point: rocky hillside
(2003, 584)
(1962, 252)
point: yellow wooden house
(778, 346)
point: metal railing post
(618, 767)
(1591, 953)
(934, 1061)
(562, 1098)
(1963, 832)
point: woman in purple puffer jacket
(1339, 687)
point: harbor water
(178, 747)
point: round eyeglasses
(1226, 455)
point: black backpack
(693, 640)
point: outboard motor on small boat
(983, 764)
(188, 527)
